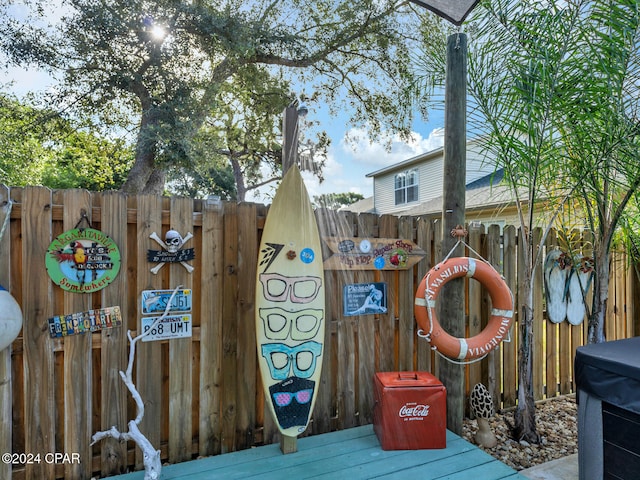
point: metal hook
(83, 218)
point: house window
(406, 187)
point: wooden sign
(372, 253)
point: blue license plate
(155, 301)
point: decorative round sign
(365, 246)
(83, 260)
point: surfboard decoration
(557, 266)
(290, 306)
(579, 282)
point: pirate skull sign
(172, 251)
(173, 241)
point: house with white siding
(400, 187)
(415, 187)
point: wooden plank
(212, 273)
(424, 238)
(77, 356)
(538, 338)
(366, 334)
(326, 404)
(388, 227)
(551, 337)
(475, 307)
(354, 259)
(630, 294)
(113, 347)
(509, 351)
(149, 354)
(406, 296)
(230, 329)
(618, 295)
(564, 341)
(361, 459)
(180, 349)
(246, 364)
(15, 240)
(39, 406)
(347, 389)
(6, 381)
(494, 363)
(458, 466)
(609, 318)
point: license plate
(171, 326)
(155, 301)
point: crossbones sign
(172, 246)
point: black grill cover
(610, 371)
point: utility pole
(451, 310)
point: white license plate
(172, 326)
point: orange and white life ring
(499, 323)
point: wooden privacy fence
(202, 394)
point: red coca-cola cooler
(410, 411)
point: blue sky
(347, 163)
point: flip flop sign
(372, 253)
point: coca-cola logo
(413, 410)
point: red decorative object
(410, 411)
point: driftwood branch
(151, 456)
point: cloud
(390, 148)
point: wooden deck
(348, 454)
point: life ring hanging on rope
(499, 323)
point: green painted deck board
(352, 454)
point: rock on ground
(556, 423)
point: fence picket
(230, 329)
(388, 228)
(406, 295)
(180, 355)
(148, 354)
(366, 333)
(113, 345)
(247, 349)
(6, 381)
(39, 387)
(77, 354)
(211, 279)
